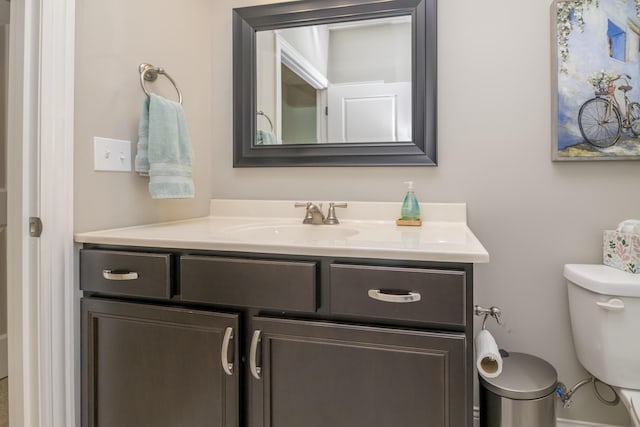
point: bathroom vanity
(231, 320)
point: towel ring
(261, 113)
(150, 73)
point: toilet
(604, 305)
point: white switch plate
(111, 154)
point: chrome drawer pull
(391, 296)
(226, 366)
(119, 275)
(253, 354)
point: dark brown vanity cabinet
(250, 341)
(147, 365)
(320, 374)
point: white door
(369, 112)
(42, 308)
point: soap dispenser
(410, 208)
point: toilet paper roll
(488, 359)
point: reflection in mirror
(335, 83)
(346, 82)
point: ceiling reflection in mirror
(346, 82)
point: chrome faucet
(314, 213)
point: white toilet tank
(604, 305)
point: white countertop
(366, 230)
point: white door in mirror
(369, 112)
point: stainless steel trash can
(523, 395)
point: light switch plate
(111, 154)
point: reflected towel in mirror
(265, 138)
(164, 151)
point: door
(157, 366)
(42, 298)
(318, 374)
(369, 112)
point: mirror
(335, 83)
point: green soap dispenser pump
(410, 208)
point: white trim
(561, 422)
(23, 386)
(4, 355)
(322, 103)
(57, 359)
(41, 310)
(577, 423)
(277, 114)
(288, 55)
(300, 65)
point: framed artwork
(595, 80)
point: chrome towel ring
(150, 73)
(261, 113)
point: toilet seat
(631, 399)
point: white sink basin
(366, 230)
(291, 232)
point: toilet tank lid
(603, 279)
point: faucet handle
(331, 215)
(308, 217)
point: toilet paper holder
(493, 311)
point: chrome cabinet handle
(614, 304)
(119, 275)
(253, 354)
(386, 296)
(226, 365)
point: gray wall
(4, 11)
(494, 124)
(112, 39)
(366, 53)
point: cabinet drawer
(126, 273)
(413, 294)
(280, 285)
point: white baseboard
(560, 422)
(575, 423)
(4, 357)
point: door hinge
(35, 226)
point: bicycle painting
(596, 113)
(602, 119)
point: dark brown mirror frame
(421, 151)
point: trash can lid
(523, 377)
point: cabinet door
(318, 374)
(145, 365)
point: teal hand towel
(141, 162)
(168, 150)
(265, 138)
